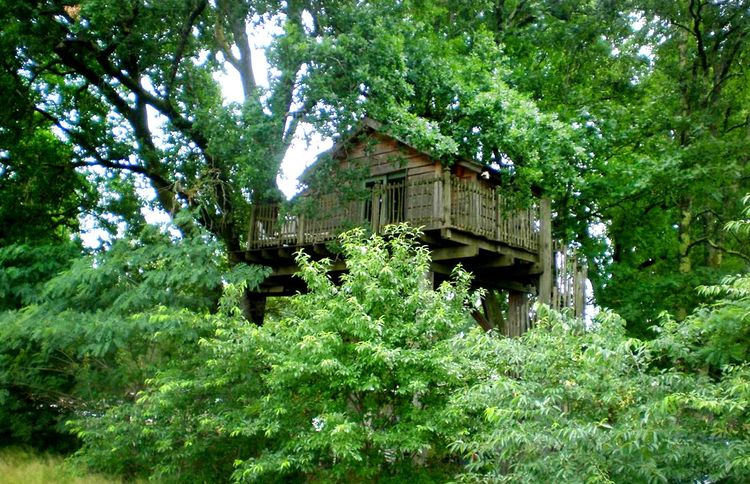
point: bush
(89, 336)
(382, 378)
(352, 386)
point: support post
(375, 204)
(253, 306)
(580, 297)
(251, 228)
(447, 196)
(300, 230)
(437, 202)
(518, 313)
(545, 251)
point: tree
(90, 330)
(656, 94)
(684, 157)
(96, 70)
(136, 96)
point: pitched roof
(369, 125)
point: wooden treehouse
(460, 208)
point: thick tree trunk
(253, 306)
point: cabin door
(387, 203)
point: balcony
(463, 206)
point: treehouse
(462, 212)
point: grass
(18, 466)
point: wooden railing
(424, 203)
(569, 289)
(482, 211)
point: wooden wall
(386, 156)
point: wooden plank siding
(384, 156)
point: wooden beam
(439, 268)
(321, 249)
(507, 283)
(458, 252)
(497, 261)
(290, 269)
(498, 248)
(285, 270)
(276, 289)
(430, 239)
(254, 257)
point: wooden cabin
(464, 216)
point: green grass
(18, 466)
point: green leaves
(376, 376)
(80, 334)
(569, 403)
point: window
(387, 201)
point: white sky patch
(646, 51)
(299, 156)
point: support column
(251, 228)
(580, 297)
(545, 252)
(447, 196)
(300, 230)
(375, 210)
(518, 313)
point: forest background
(632, 115)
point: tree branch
(182, 45)
(245, 62)
(707, 240)
(695, 8)
(728, 251)
(65, 50)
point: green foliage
(351, 385)
(635, 117)
(24, 268)
(32, 209)
(90, 336)
(383, 378)
(716, 335)
(671, 165)
(438, 78)
(568, 404)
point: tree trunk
(253, 306)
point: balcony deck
(460, 213)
